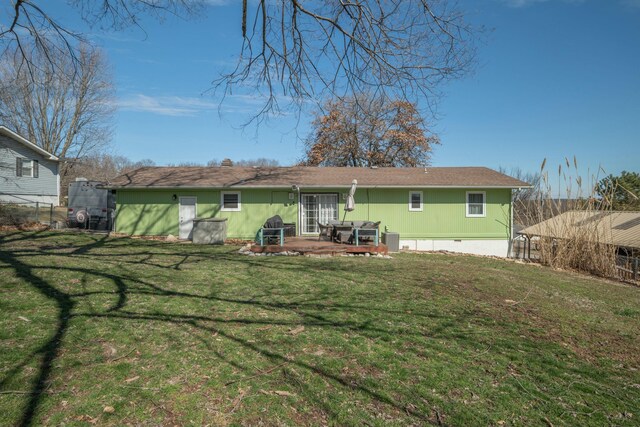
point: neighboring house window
(476, 204)
(230, 201)
(415, 200)
(26, 167)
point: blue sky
(555, 79)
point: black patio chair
(272, 231)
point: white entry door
(187, 215)
(318, 208)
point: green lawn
(178, 334)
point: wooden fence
(628, 268)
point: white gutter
(303, 187)
(11, 134)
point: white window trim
(223, 209)
(25, 160)
(411, 208)
(484, 204)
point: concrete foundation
(477, 247)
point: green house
(460, 209)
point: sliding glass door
(317, 208)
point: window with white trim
(230, 201)
(26, 167)
(476, 204)
(415, 201)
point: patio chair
(368, 231)
(272, 231)
(325, 231)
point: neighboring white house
(27, 172)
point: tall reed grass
(572, 221)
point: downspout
(114, 214)
(511, 227)
(296, 189)
(58, 189)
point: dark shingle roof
(252, 177)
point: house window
(415, 201)
(230, 201)
(476, 204)
(26, 167)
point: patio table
(341, 230)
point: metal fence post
(51, 215)
(636, 262)
(37, 211)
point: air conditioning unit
(392, 240)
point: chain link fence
(25, 213)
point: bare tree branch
(292, 52)
(28, 30)
(400, 49)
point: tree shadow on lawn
(128, 284)
(66, 302)
(154, 254)
(49, 351)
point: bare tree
(365, 131)
(98, 167)
(260, 161)
(294, 51)
(527, 201)
(104, 167)
(185, 164)
(532, 178)
(66, 111)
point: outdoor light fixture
(174, 197)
